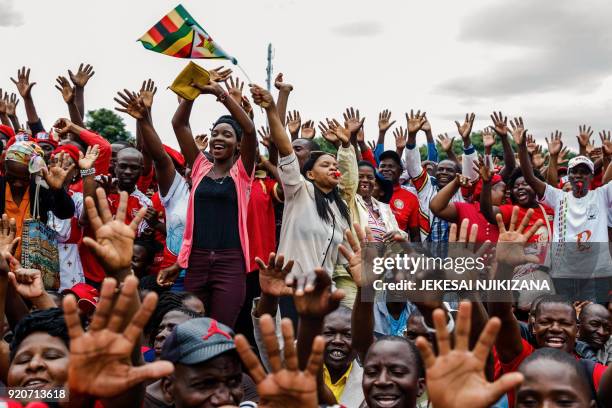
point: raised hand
(584, 136)
(518, 130)
(488, 138)
(246, 106)
(320, 301)
(328, 134)
(511, 242)
(3, 102)
(261, 97)
(100, 358)
(465, 129)
(342, 134)
(446, 143)
(371, 144)
(58, 170)
(352, 121)
(308, 130)
(531, 144)
(563, 156)
(88, 160)
(131, 104)
(65, 88)
(283, 386)
(456, 377)
(234, 88)
(401, 138)
(114, 241)
(280, 85)
(266, 139)
(82, 76)
(537, 158)
(384, 121)
(294, 121)
(606, 142)
(415, 122)
(272, 275)
(28, 283)
(216, 76)
(147, 92)
(500, 124)
(11, 106)
(555, 144)
(24, 86)
(8, 241)
(202, 142)
(354, 254)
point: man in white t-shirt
(581, 266)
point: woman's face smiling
(41, 362)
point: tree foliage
(108, 124)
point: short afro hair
(50, 321)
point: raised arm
(182, 130)
(279, 137)
(284, 89)
(68, 93)
(11, 111)
(139, 108)
(79, 80)
(4, 101)
(518, 133)
(500, 125)
(384, 124)
(446, 143)
(606, 142)
(487, 208)
(510, 253)
(432, 151)
(554, 148)
(24, 86)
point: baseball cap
(390, 154)
(581, 160)
(87, 296)
(197, 340)
(44, 137)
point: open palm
(272, 276)
(114, 239)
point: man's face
(115, 148)
(580, 177)
(446, 172)
(168, 323)
(128, 169)
(338, 349)
(390, 376)
(210, 384)
(555, 326)
(390, 170)
(595, 326)
(550, 383)
(301, 148)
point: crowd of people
(226, 274)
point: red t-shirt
(541, 234)
(405, 207)
(158, 259)
(598, 371)
(145, 181)
(261, 223)
(471, 211)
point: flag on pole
(179, 35)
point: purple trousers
(218, 278)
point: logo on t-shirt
(399, 204)
(592, 212)
(583, 237)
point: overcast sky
(547, 60)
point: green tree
(326, 146)
(108, 124)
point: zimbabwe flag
(179, 35)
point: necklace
(216, 180)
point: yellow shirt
(338, 387)
(19, 212)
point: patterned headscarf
(28, 153)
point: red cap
(19, 137)
(478, 186)
(175, 156)
(44, 137)
(69, 149)
(7, 131)
(87, 296)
